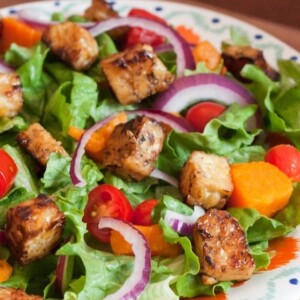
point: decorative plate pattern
(282, 279)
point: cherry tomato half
(287, 159)
(105, 201)
(8, 172)
(200, 114)
(142, 213)
(138, 35)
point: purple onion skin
(192, 81)
(139, 245)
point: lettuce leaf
(290, 215)
(36, 85)
(136, 192)
(17, 56)
(278, 101)
(71, 104)
(32, 277)
(226, 136)
(14, 197)
(191, 286)
(56, 176)
(259, 254)
(9, 128)
(258, 228)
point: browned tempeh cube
(72, 44)
(11, 98)
(34, 228)
(136, 74)
(133, 147)
(37, 141)
(205, 180)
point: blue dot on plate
(12, 11)
(294, 58)
(158, 8)
(216, 20)
(294, 281)
(258, 36)
(111, 3)
(57, 3)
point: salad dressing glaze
(283, 250)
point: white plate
(282, 283)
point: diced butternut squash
(261, 186)
(188, 34)
(207, 53)
(154, 236)
(5, 270)
(98, 139)
(16, 31)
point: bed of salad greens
(58, 97)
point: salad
(137, 160)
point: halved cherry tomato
(138, 35)
(8, 172)
(287, 159)
(142, 213)
(200, 114)
(105, 200)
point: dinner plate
(282, 279)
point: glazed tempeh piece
(236, 57)
(11, 98)
(133, 147)
(136, 74)
(205, 180)
(34, 228)
(99, 10)
(37, 141)
(221, 246)
(72, 44)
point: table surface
(289, 35)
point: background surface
(280, 18)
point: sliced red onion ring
(182, 49)
(139, 278)
(29, 16)
(183, 224)
(188, 90)
(64, 271)
(75, 172)
(161, 48)
(175, 122)
(164, 176)
(5, 68)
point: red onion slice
(175, 122)
(182, 49)
(183, 224)
(140, 276)
(75, 171)
(64, 271)
(31, 17)
(161, 48)
(164, 176)
(189, 90)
